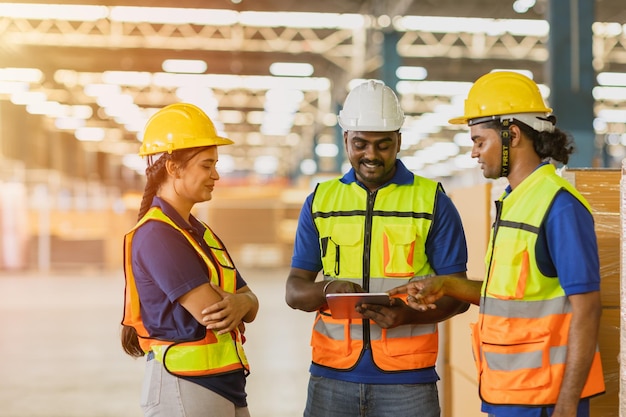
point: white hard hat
(371, 107)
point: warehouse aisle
(60, 354)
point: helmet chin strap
(505, 136)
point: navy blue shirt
(446, 251)
(166, 266)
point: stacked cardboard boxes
(601, 188)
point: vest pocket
(332, 340)
(341, 251)
(516, 360)
(398, 250)
(509, 270)
(409, 340)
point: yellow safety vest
(378, 241)
(520, 339)
(211, 355)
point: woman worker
(185, 302)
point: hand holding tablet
(342, 305)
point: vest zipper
(367, 247)
(483, 298)
(496, 225)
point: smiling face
(487, 149)
(372, 155)
(195, 181)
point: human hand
(386, 316)
(339, 286)
(422, 293)
(227, 314)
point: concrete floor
(60, 354)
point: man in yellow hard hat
(374, 228)
(535, 342)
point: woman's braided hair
(155, 175)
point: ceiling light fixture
(522, 6)
(411, 73)
(29, 75)
(90, 134)
(174, 15)
(129, 78)
(68, 123)
(492, 27)
(326, 150)
(73, 12)
(184, 66)
(13, 87)
(615, 79)
(291, 69)
(45, 108)
(527, 73)
(28, 97)
(302, 20)
(609, 93)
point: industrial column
(571, 75)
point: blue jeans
(334, 398)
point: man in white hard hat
(377, 227)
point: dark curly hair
(557, 145)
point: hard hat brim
(386, 126)
(461, 120)
(165, 147)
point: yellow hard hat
(501, 93)
(179, 126)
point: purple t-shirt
(166, 266)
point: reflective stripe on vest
(376, 240)
(214, 353)
(520, 340)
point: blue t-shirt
(447, 254)
(166, 266)
(567, 248)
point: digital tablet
(342, 305)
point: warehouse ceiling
(120, 46)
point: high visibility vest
(211, 355)
(520, 339)
(376, 240)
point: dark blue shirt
(166, 266)
(446, 251)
